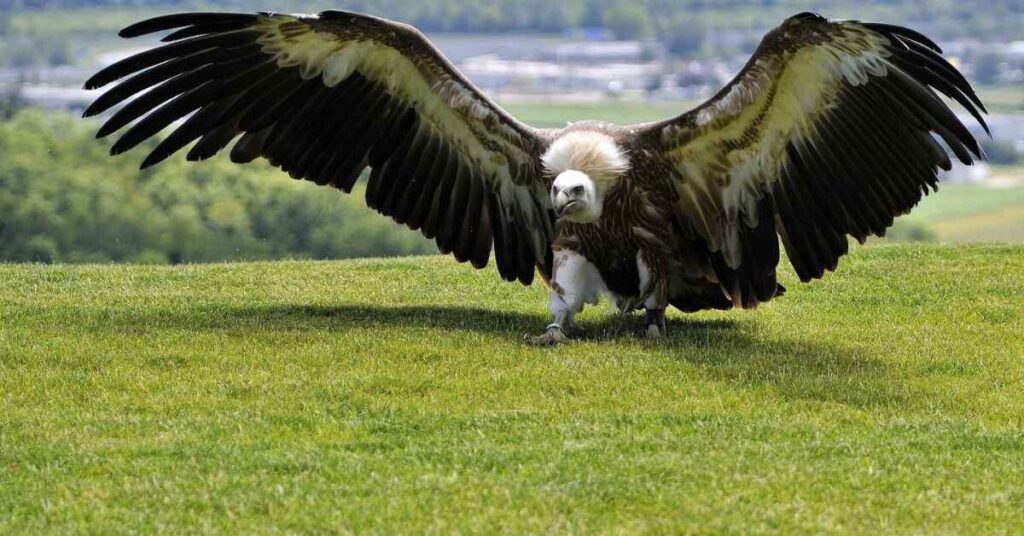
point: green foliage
(628, 20)
(397, 397)
(911, 231)
(63, 199)
(683, 34)
(10, 101)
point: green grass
(556, 115)
(396, 396)
(974, 212)
(958, 200)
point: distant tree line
(63, 199)
(684, 26)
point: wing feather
(325, 96)
(827, 132)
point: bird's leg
(563, 311)
(654, 286)
(572, 286)
(553, 336)
(654, 326)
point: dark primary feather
(163, 72)
(869, 157)
(904, 33)
(170, 22)
(206, 28)
(174, 50)
(214, 81)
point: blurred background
(62, 199)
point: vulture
(831, 130)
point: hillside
(992, 212)
(397, 396)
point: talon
(656, 325)
(552, 337)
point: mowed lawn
(397, 396)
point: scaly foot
(552, 337)
(656, 325)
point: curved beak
(564, 204)
(566, 208)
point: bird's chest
(611, 250)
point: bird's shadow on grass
(726, 350)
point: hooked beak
(567, 206)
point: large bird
(830, 130)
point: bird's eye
(578, 190)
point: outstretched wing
(827, 132)
(325, 96)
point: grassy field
(556, 115)
(975, 212)
(397, 396)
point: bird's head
(575, 197)
(585, 165)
